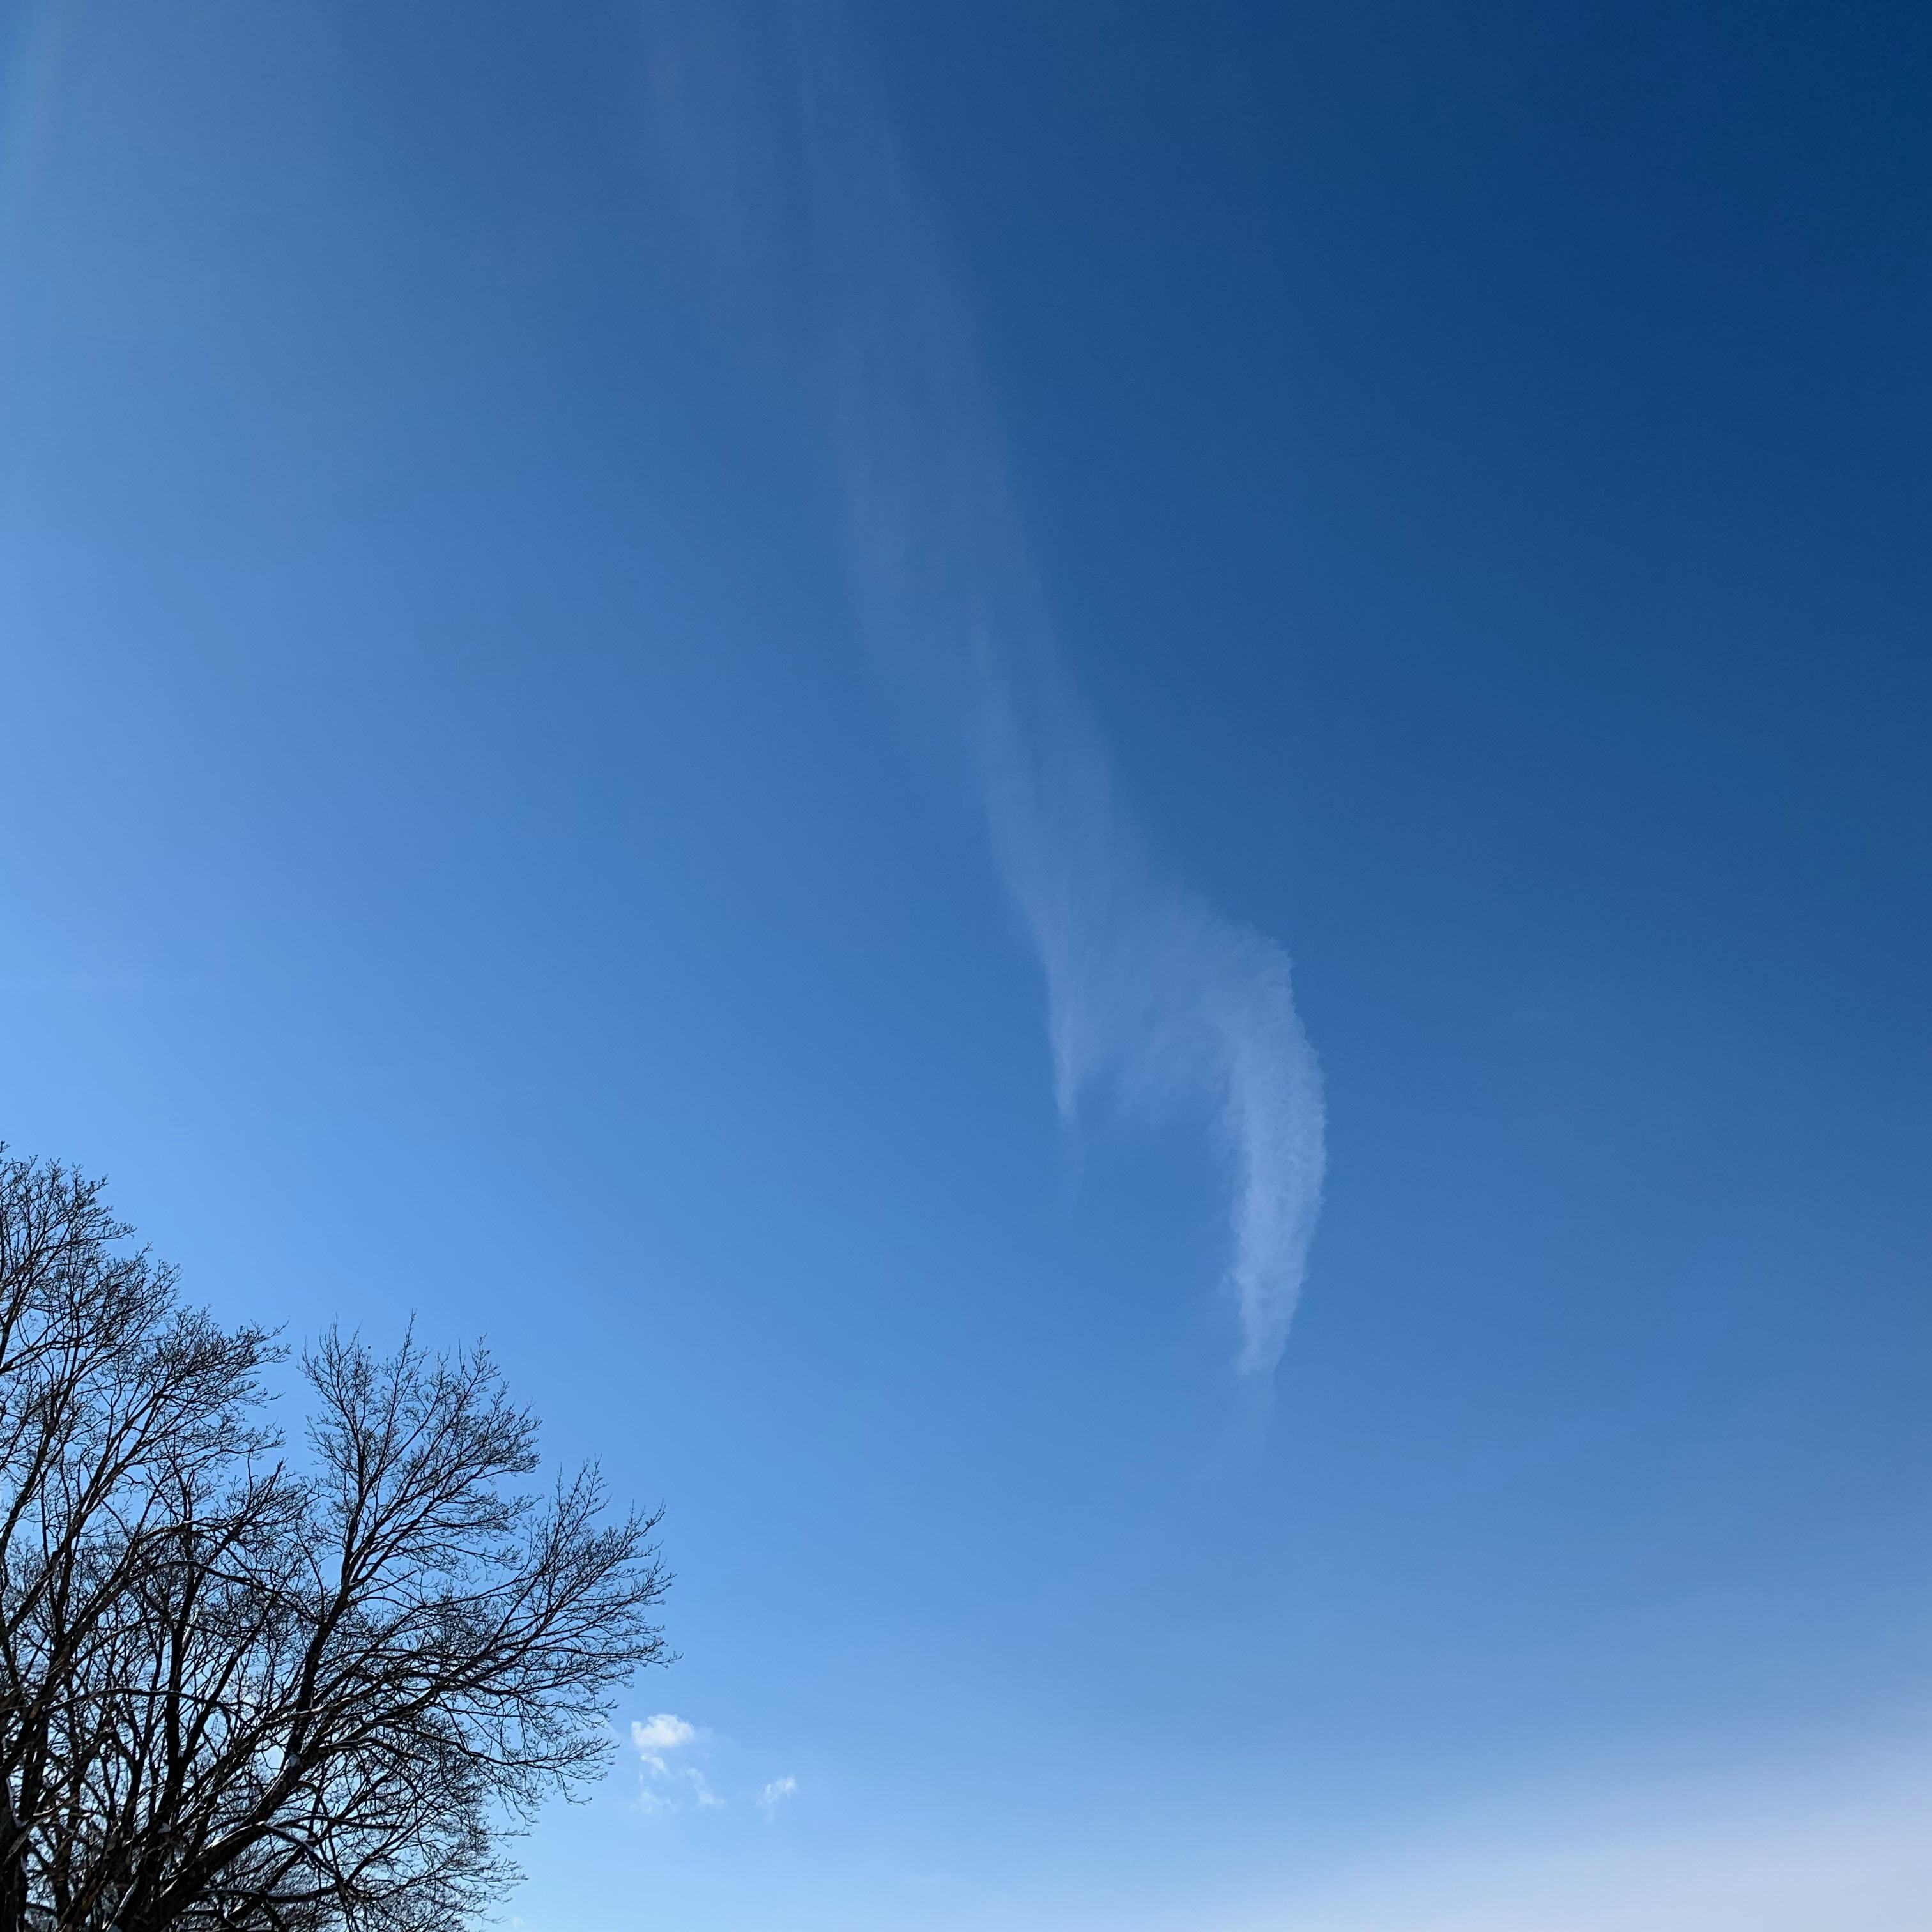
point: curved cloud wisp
(1156, 1000)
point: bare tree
(238, 1693)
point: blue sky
(680, 681)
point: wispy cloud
(1157, 1002)
(775, 1793)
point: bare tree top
(240, 1692)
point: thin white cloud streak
(1843, 1848)
(1157, 1002)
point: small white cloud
(660, 1734)
(655, 1738)
(775, 1793)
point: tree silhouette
(240, 1692)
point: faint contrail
(776, 131)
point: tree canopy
(244, 1689)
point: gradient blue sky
(472, 847)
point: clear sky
(1114, 818)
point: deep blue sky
(461, 856)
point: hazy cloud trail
(776, 130)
